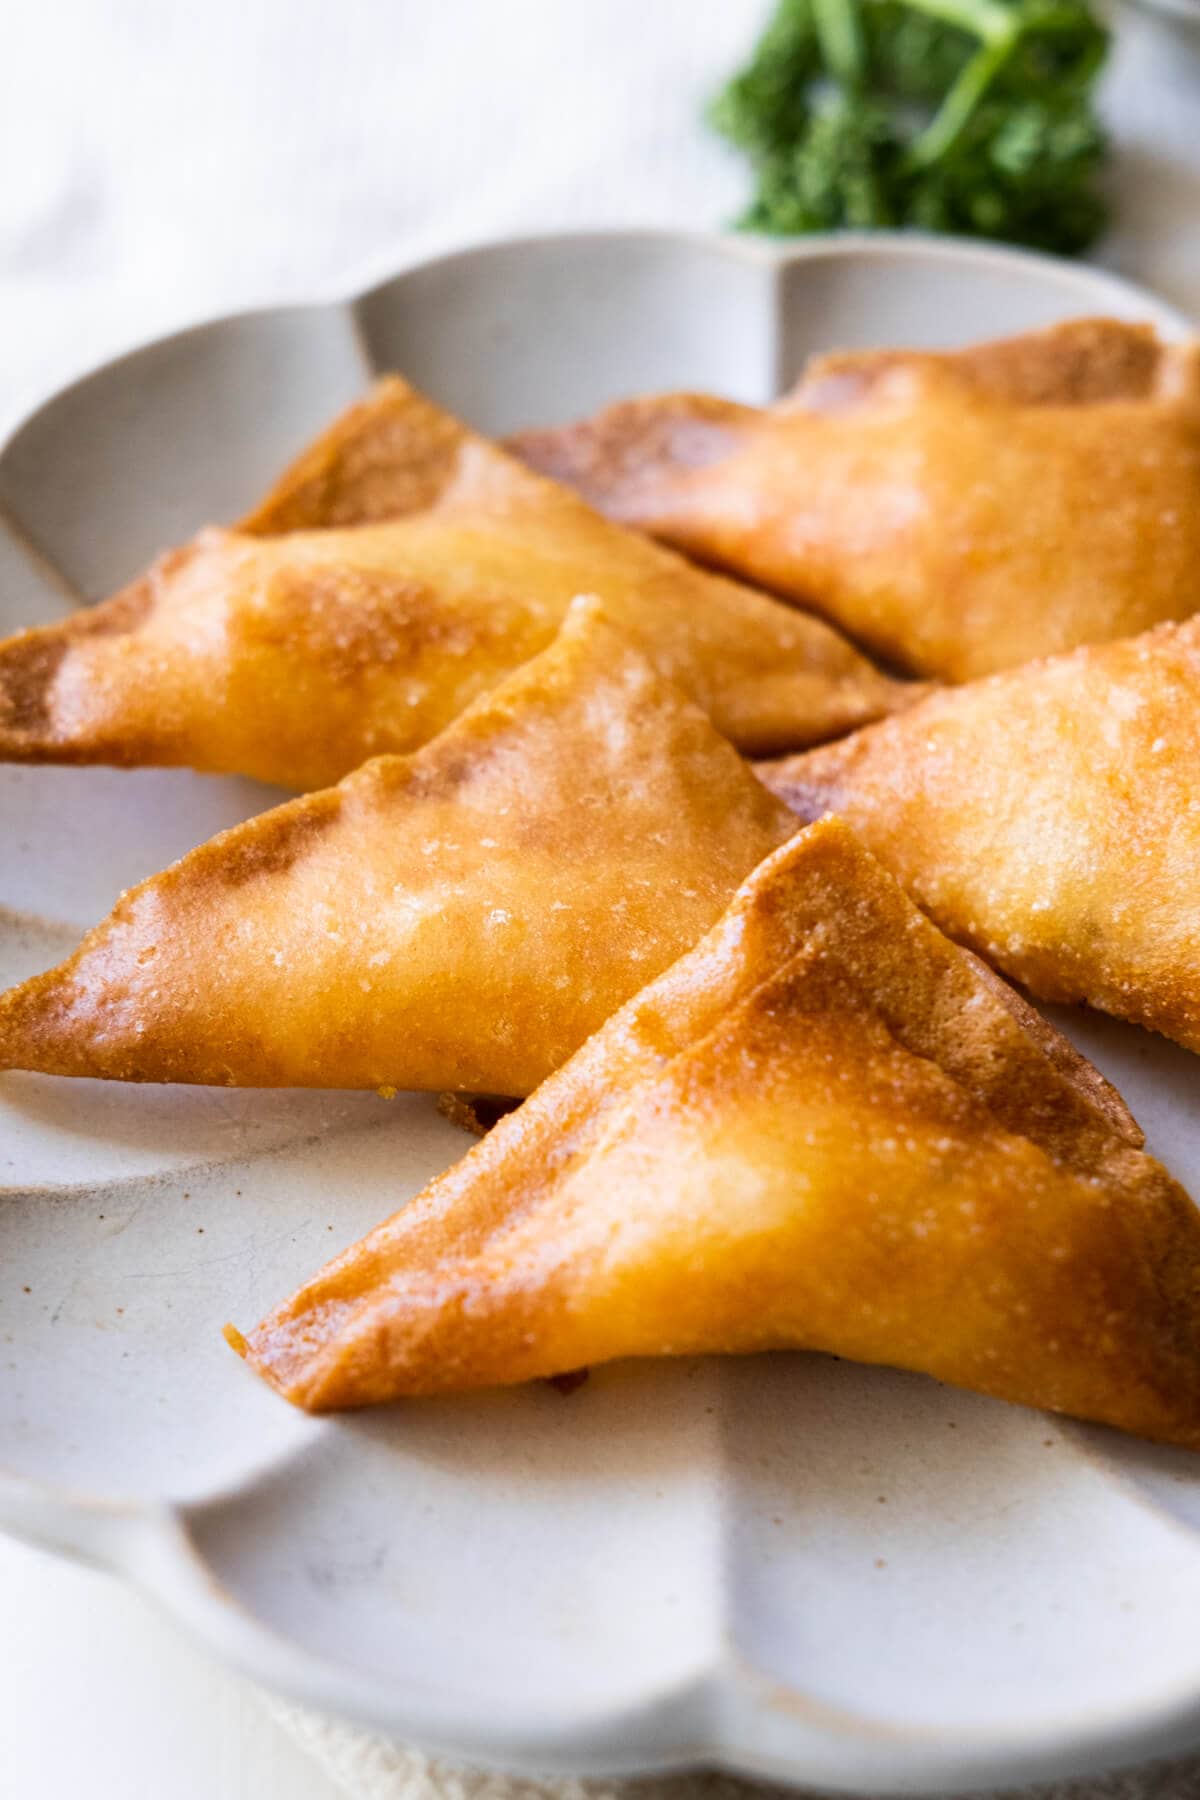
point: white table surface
(99, 1697)
(165, 161)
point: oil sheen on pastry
(956, 513)
(824, 1128)
(402, 568)
(1049, 818)
(460, 918)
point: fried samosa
(825, 1128)
(957, 514)
(398, 572)
(1049, 818)
(460, 918)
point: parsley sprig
(972, 116)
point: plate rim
(753, 248)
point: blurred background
(161, 163)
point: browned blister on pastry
(827, 1128)
(401, 569)
(956, 513)
(460, 918)
(1049, 817)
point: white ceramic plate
(788, 1565)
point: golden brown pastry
(398, 572)
(824, 1128)
(955, 513)
(1049, 817)
(460, 918)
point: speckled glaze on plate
(790, 1566)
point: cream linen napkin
(165, 162)
(368, 1767)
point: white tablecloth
(161, 162)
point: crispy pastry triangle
(826, 1128)
(956, 513)
(1049, 817)
(460, 918)
(400, 570)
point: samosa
(1049, 818)
(401, 569)
(956, 513)
(460, 918)
(826, 1127)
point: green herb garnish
(972, 116)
